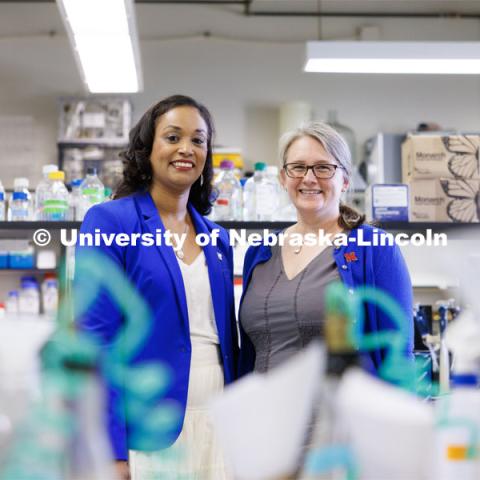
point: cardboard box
(445, 200)
(440, 156)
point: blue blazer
(155, 272)
(382, 267)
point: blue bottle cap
(19, 196)
(28, 278)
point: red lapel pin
(350, 257)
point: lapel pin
(350, 257)
(220, 256)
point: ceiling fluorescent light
(105, 42)
(394, 57)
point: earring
(201, 180)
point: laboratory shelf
(434, 226)
(407, 227)
(235, 225)
(37, 225)
(34, 271)
(391, 226)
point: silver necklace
(179, 251)
(298, 249)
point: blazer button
(183, 349)
(344, 267)
(226, 357)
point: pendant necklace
(179, 251)
(298, 249)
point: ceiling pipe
(364, 14)
(247, 11)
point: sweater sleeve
(393, 278)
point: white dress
(195, 455)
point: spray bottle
(458, 413)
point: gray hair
(329, 138)
(338, 148)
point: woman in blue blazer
(282, 307)
(167, 187)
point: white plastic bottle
(458, 431)
(50, 295)
(228, 204)
(249, 193)
(11, 305)
(93, 191)
(457, 435)
(2, 203)
(74, 205)
(29, 298)
(20, 202)
(287, 212)
(266, 192)
(41, 189)
(55, 201)
(274, 203)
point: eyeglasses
(320, 170)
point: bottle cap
(57, 175)
(13, 293)
(21, 182)
(46, 169)
(260, 166)
(28, 278)
(91, 171)
(227, 165)
(76, 183)
(19, 196)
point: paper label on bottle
(19, 212)
(93, 195)
(55, 209)
(55, 205)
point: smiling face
(310, 195)
(179, 149)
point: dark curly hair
(137, 173)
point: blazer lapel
(154, 224)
